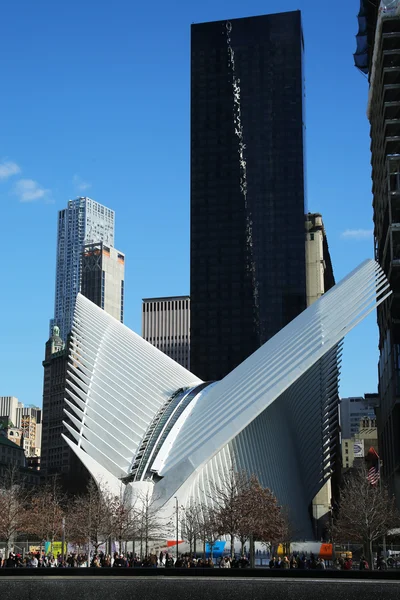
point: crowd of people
(313, 562)
(184, 561)
(297, 562)
(99, 560)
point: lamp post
(380, 463)
(177, 525)
(63, 540)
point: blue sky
(95, 101)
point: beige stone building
(319, 279)
(319, 272)
(358, 445)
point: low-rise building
(358, 445)
(14, 434)
(11, 453)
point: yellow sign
(55, 548)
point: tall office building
(352, 410)
(378, 55)
(84, 221)
(103, 275)
(8, 408)
(247, 268)
(86, 261)
(166, 325)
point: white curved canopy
(123, 391)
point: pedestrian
(169, 561)
(10, 562)
(119, 561)
(285, 564)
(382, 564)
(348, 564)
(33, 562)
(225, 563)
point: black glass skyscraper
(378, 56)
(247, 187)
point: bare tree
(190, 525)
(151, 525)
(246, 510)
(208, 527)
(90, 517)
(47, 511)
(263, 519)
(124, 519)
(229, 500)
(14, 502)
(365, 512)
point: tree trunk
(7, 548)
(194, 545)
(370, 557)
(252, 563)
(232, 545)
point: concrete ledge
(174, 586)
(197, 573)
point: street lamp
(177, 525)
(63, 557)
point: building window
(312, 237)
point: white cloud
(8, 168)
(29, 190)
(357, 234)
(80, 184)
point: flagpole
(380, 487)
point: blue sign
(217, 548)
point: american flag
(373, 474)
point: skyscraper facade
(56, 456)
(9, 408)
(84, 221)
(352, 410)
(103, 278)
(247, 187)
(378, 56)
(166, 325)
